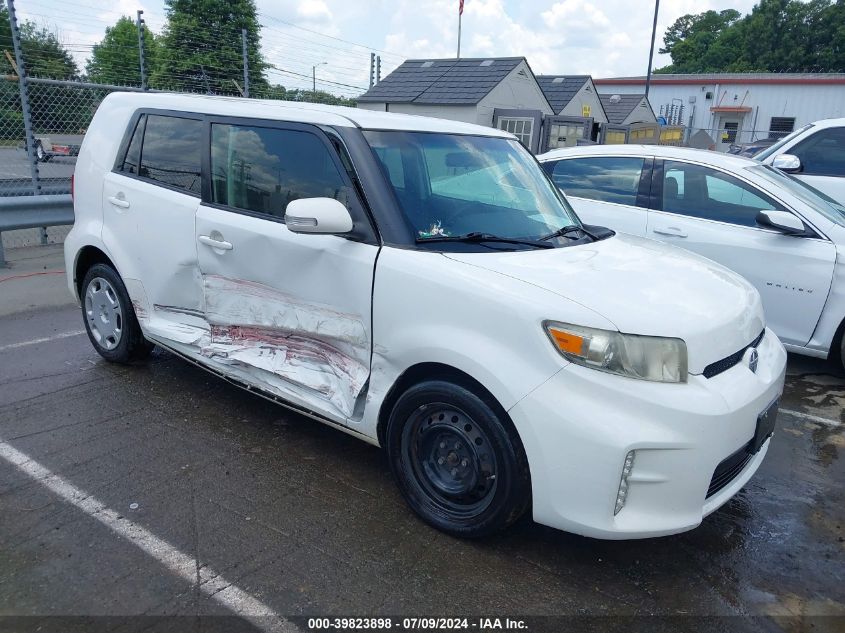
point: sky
(604, 38)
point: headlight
(644, 357)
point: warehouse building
(734, 108)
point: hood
(643, 287)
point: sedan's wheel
(104, 313)
(458, 461)
(109, 317)
(39, 152)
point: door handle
(674, 231)
(119, 201)
(210, 241)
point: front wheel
(459, 463)
(109, 317)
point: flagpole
(460, 13)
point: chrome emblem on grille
(750, 358)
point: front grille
(714, 369)
(728, 470)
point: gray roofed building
(572, 95)
(559, 89)
(498, 92)
(624, 109)
(442, 81)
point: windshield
(774, 149)
(820, 202)
(452, 185)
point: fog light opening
(622, 494)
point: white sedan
(783, 235)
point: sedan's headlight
(644, 357)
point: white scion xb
(421, 284)
(784, 236)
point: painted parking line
(215, 586)
(812, 418)
(45, 339)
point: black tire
(40, 154)
(458, 461)
(110, 318)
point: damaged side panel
(288, 313)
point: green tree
(116, 59)
(777, 36)
(694, 41)
(201, 47)
(44, 56)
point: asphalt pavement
(159, 490)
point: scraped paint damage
(309, 362)
(281, 341)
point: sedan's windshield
(820, 202)
(453, 185)
(774, 149)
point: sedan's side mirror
(318, 215)
(789, 163)
(782, 221)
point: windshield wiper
(477, 236)
(571, 228)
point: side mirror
(787, 162)
(318, 215)
(782, 221)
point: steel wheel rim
(451, 459)
(103, 313)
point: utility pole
(314, 76)
(23, 86)
(140, 23)
(651, 51)
(372, 69)
(246, 64)
(378, 68)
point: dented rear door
(290, 313)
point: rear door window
(606, 179)
(262, 169)
(702, 192)
(171, 152)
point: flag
(460, 7)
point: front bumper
(579, 425)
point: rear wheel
(458, 462)
(109, 317)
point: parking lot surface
(158, 489)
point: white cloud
(314, 11)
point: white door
(729, 129)
(822, 157)
(149, 204)
(609, 191)
(287, 312)
(713, 213)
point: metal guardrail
(28, 212)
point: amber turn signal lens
(568, 342)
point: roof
(717, 159)
(296, 111)
(560, 89)
(727, 78)
(442, 81)
(619, 106)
